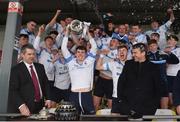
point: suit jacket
(21, 88)
(140, 88)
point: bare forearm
(99, 64)
(172, 17)
(53, 21)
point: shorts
(83, 102)
(59, 94)
(103, 87)
(170, 82)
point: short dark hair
(141, 46)
(81, 48)
(32, 20)
(155, 20)
(122, 46)
(26, 46)
(53, 32)
(135, 24)
(24, 35)
(174, 37)
(48, 37)
(152, 41)
(156, 34)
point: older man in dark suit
(28, 85)
(140, 87)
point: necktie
(36, 85)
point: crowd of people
(135, 71)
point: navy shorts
(103, 87)
(83, 102)
(170, 83)
(59, 94)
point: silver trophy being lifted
(79, 29)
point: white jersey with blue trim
(45, 58)
(162, 30)
(141, 38)
(62, 78)
(81, 74)
(102, 42)
(30, 34)
(172, 69)
(57, 27)
(108, 58)
(116, 68)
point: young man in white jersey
(104, 83)
(62, 79)
(139, 36)
(30, 31)
(81, 71)
(115, 66)
(58, 26)
(45, 56)
(161, 30)
(172, 69)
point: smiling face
(49, 42)
(153, 47)
(114, 43)
(28, 55)
(136, 29)
(122, 54)
(171, 42)
(154, 36)
(138, 55)
(68, 20)
(154, 25)
(31, 26)
(80, 55)
(122, 29)
(23, 41)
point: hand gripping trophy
(78, 28)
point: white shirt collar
(28, 66)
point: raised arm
(53, 21)
(59, 39)
(167, 25)
(36, 43)
(93, 44)
(171, 13)
(64, 48)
